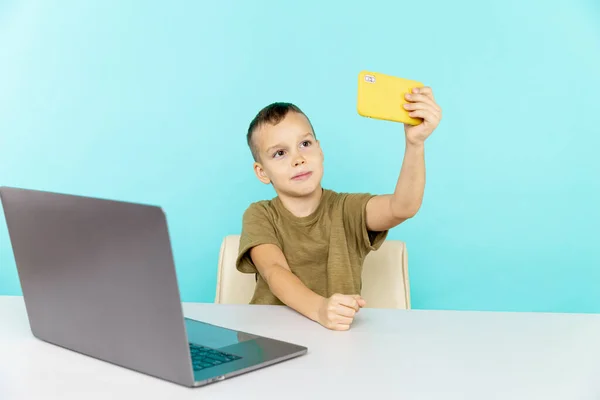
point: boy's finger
(344, 320)
(414, 107)
(341, 327)
(361, 302)
(426, 90)
(349, 301)
(426, 115)
(420, 98)
(345, 311)
(420, 106)
(359, 297)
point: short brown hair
(271, 114)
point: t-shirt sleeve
(257, 229)
(355, 217)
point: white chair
(385, 276)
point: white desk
(387, 354)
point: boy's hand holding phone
(421, 104)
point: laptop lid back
(98, 278)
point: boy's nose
(299, 161)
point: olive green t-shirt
(325, 249)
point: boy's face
(290, 156)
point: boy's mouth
(302, 176)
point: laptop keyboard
(205, 357)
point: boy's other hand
(422, 104)
(338, 311)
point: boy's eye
(278, 153)
(306, 143)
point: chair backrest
(385, 276)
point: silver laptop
(98, 278)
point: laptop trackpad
(214, 336)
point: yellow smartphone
(382, 96)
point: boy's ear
(321, 150)
(261, 174)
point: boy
(306, 246)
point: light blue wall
(149, 102)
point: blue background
(150, 102)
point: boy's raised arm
(386, 211)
